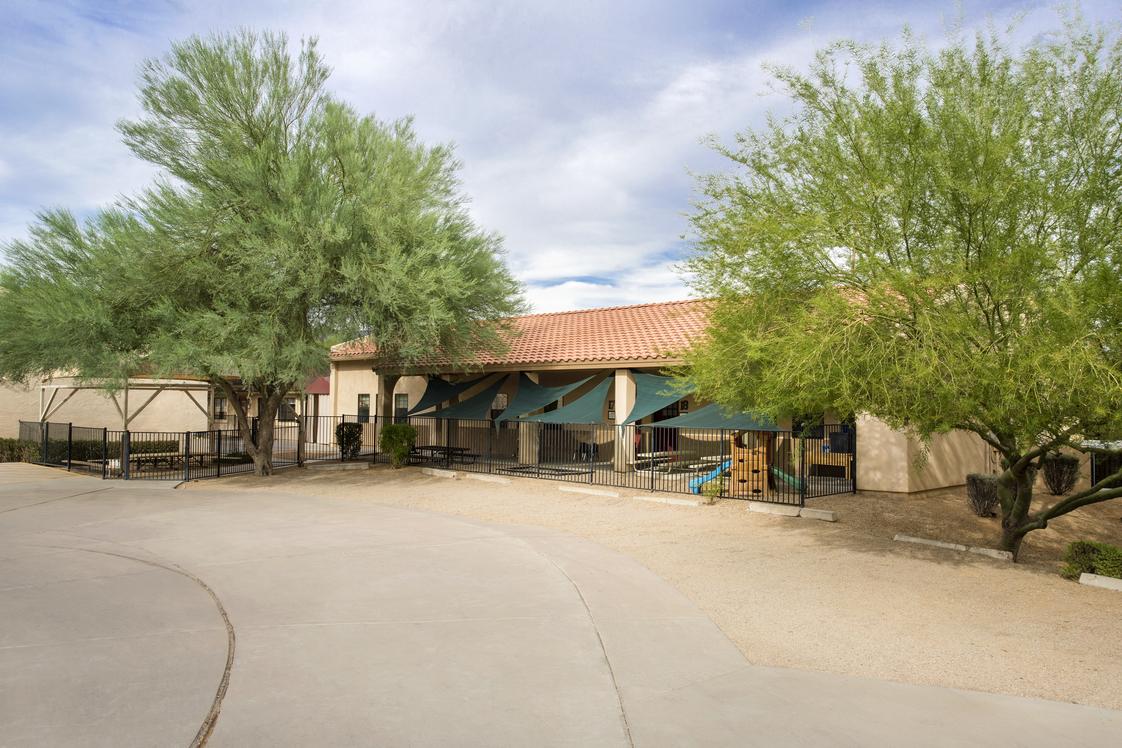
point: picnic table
(654, 460)
(441, 453)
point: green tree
(932, 238)
(281, 220)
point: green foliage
(397, 440)
(713, 489)
(981, 493)
(281, 220)
(348, 437)
(1089, 557)
(1061, 471)
(16, 450)
(931, 238)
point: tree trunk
(1016, 503)
(262, 451)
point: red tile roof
(318, 386)
(643, 332)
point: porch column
(624, 395)
(383, 408)
(528, 441)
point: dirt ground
(839, 597)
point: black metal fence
(776, 466)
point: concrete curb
(329, 466)
(1098, 580)
(825, 515)
(977, 550)
(440, 473)
(487, 478)
(783, 510)
(673, 500)
(589, 491)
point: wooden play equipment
(750, 453)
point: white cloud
(577, 123)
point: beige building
(614, 353)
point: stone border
(329, 466)
(487, 478)
(789, 510)
(977, 550)
(440, 472)
(1098, 580)
(589, 491)
(672, 500)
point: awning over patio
(652, 394)
(532, 396)
(439, 391)
(714, 417)
(588, 409)
(474, 408)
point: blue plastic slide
(701, 480)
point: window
(364, 408)
(400, 407)
(499, 404)
(220, 407)
(287, 410)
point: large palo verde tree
(281, 219)
(933, 238)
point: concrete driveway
(137, 615)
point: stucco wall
(950, 458)
(169, 411)
(349, 379)
(883, 457)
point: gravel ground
(833, 597)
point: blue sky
(579, 123)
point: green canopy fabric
(533, 396)
(589, 408)
(439, 391)
(652, 394)
(477, 407)
(714, 417)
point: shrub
(398, 439)
(1060, 472)
(981, 492)
(17, 450)
(713, 489)
(349, 438)
(1089, 557)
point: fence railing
(776, 466)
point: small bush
(981, 493)
(1060, 472)
(1089, 557)
(713, 489)
(349, 438)
(397, 440)
(17, 450)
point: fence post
(104, 452)
(125, 458)
(591, 446)
(853, 459)
(187, 455)
(301, 431)
(218, 453)
(491, 446)
(721, 473)
(69, 445)
(338, 441)
(803, 473)
(44, 427)
(651, 462)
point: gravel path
(832, 597)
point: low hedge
(1090, 557)
(348, 437)
(22, 450)
(17, 450)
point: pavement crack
(57, 498)
(207, 726)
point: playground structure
(760, 463)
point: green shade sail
(532, 396)
(653, 393)
(439, 391)
(475, 408)
(589, 408)
(714, 417)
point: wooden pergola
(50, 392)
